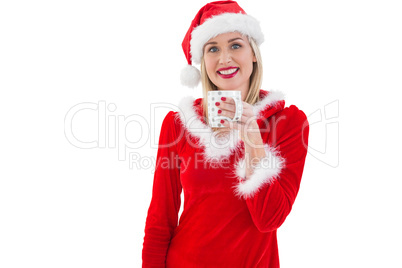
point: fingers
(226, 107)
(228, 104)
(232, 124)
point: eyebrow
(229, 41)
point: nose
(225, 57)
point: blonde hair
(255, 81)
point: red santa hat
(213, 19)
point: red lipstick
(228, 72)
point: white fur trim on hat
(224, 23)
(190, 76)
(265, 172)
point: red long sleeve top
(227, 221)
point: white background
(65, 206)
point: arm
(165, 204)
(254, 150)
(271, 189)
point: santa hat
(213, 19)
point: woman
(240, 181)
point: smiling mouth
(228, 73)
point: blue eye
(213, 49)
(236, 46)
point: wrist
(253, 140)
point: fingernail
(223, 98)
(222, 121)
(217, 103)
(219, 111)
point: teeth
(230, 71)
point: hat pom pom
(190, 76)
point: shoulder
(173, 126)
(171, 133)
(290, 126)
(171, 121)
(294, 114)
(170, 116)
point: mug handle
(239, 111)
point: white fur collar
(217, 145)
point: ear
(254, 58)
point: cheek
(248, 62)
(209, 66)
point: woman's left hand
(247, 125)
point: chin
(229, 87)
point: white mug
(215, 96)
